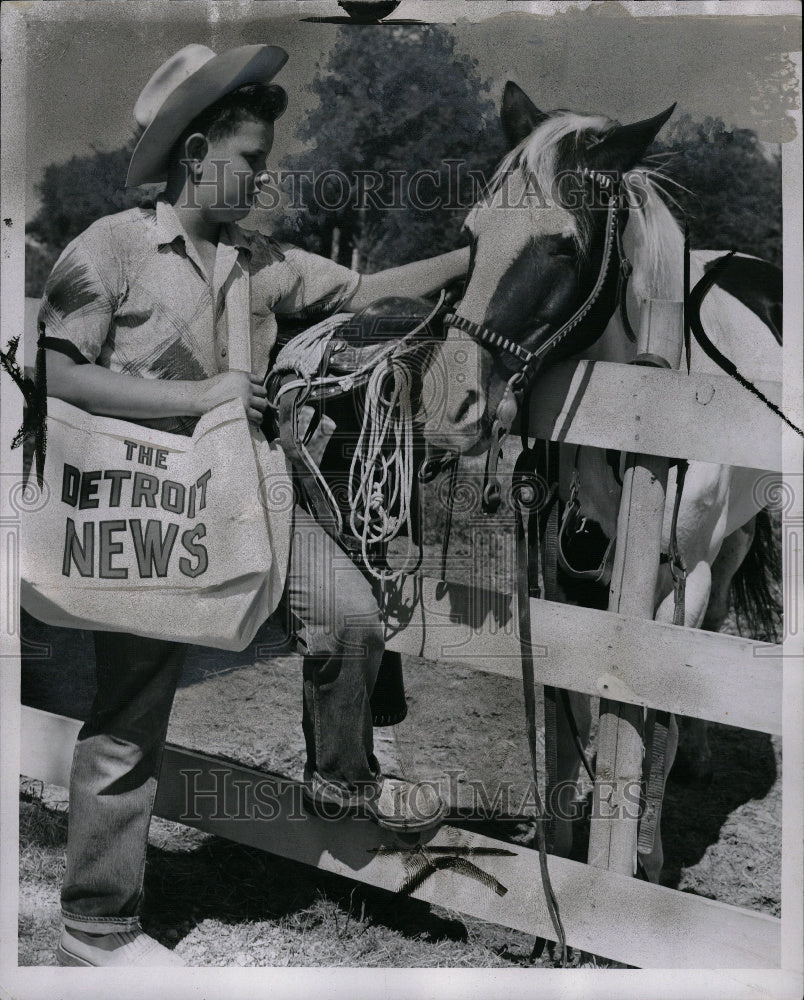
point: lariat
(381, 472)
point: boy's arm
(421, 278)
(106, 393)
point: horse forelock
(653, 239)
(538, 161)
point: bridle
(525, 489)
(538, 510)
(530, 362)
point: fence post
(616, 796)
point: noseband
(531, 361)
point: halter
(530, 361)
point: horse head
(540, 284)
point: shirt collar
(233, 236)
(168, 226)
(169, 229)
(253, 241)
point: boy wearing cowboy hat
(135, 328)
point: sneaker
(121, 948)
(393, 804)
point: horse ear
(518, 114)
(625, 145)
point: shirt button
(224, 352)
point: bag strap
(238, 319)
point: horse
(537, 250)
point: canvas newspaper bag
(161, 535)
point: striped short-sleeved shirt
(130, 294)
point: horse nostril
(470, 407)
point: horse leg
(694, 757)
(568, 762)
(696, 601)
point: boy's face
(225, 190)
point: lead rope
(524, 492)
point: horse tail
(756, 584)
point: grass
(222, 904)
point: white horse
(535, 258)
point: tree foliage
(394, 102)
(734, 186)
(39, 261)
(399, 100)
(76, 193)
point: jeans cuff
(318, 788)
(99, 925)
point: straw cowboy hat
(182, 87)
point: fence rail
(634, 662)
(709, 418)
(721, 678)
(603, 913)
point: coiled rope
(381, 472)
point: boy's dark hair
(254, 102)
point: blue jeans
(330, 608)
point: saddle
(319, 384)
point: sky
(87, 62)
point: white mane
(653, 242)
(652, 239)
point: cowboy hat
(182, 87)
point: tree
(401, 123)
(734, 197)
(76, 193)
(73, 195)
(39, 261)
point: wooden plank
(619, 918)
(620, 751)
(721, 678)
(709, 418)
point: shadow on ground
(744, 767)
(58, 664)
(232, 884)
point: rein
(536, 524)
(525, 493)
(532, 577)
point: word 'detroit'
(104, 548)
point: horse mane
(652, 239)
